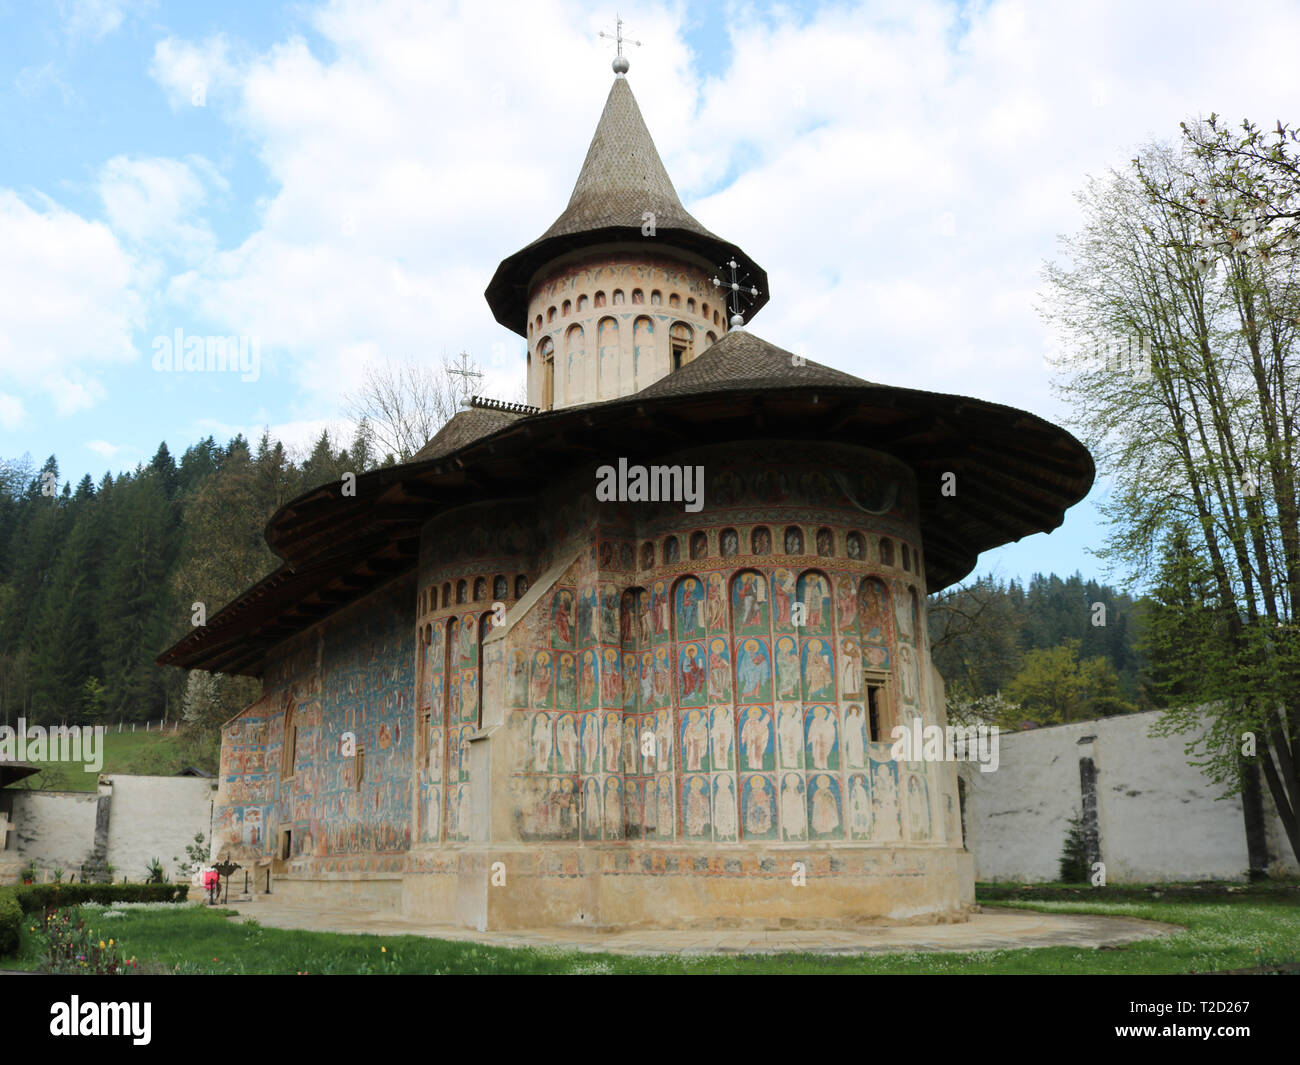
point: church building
(631, 654)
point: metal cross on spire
(620, 61)
(464, 372)
(736, 290)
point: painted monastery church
(492, 698)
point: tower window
(618, 296)
(547, 349)
(681, 342)
(874, 721)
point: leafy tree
(1187, 260)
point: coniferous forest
(97, 579)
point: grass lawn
(1253, 928)
(143, 753)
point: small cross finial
(620, 63)
(735, 290)
(464, 372)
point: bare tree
(405, 403)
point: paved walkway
(994, 929)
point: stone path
(994, 929)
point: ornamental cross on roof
(736, 290)
(464, 372)
(620, 61)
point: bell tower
(619, 291)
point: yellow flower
(101, 944)
(110, 942)
(383, 950)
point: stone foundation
(744, 886)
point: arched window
(907, 557)
(446, 594)
(582, 303)
(711, 339)
(656, 298)
(716, 319)
(760, 541)
(547, 350)
(672, 550)
(618, 296)
(794, 540)
(500, 587)
(647, 555)
(853, 546)
(674, 300)
(539, 323)
(638, 296)
(704, 311)
(480, 589)
(681, 342)
(521, 586)
(825, 543)
(600, 299)
(729, 543)
(566, 309)
(550, 314)
(462, 591)
(886, 551)
(690, 304)
(699, 545)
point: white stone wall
(1158, 817)
(148, 817)
(55, 829)
(155, 817)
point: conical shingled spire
(623, 177)
(621, 189)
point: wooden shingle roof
(621, 182)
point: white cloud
(12, 414)
(901, 170)
(104, 448)
(193, 74)
(154, 201)
(67, 306)
(95, 18)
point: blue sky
(338, 180)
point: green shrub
(11, 923)
(36, 898)
(1074, 865)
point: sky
(335, 183)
